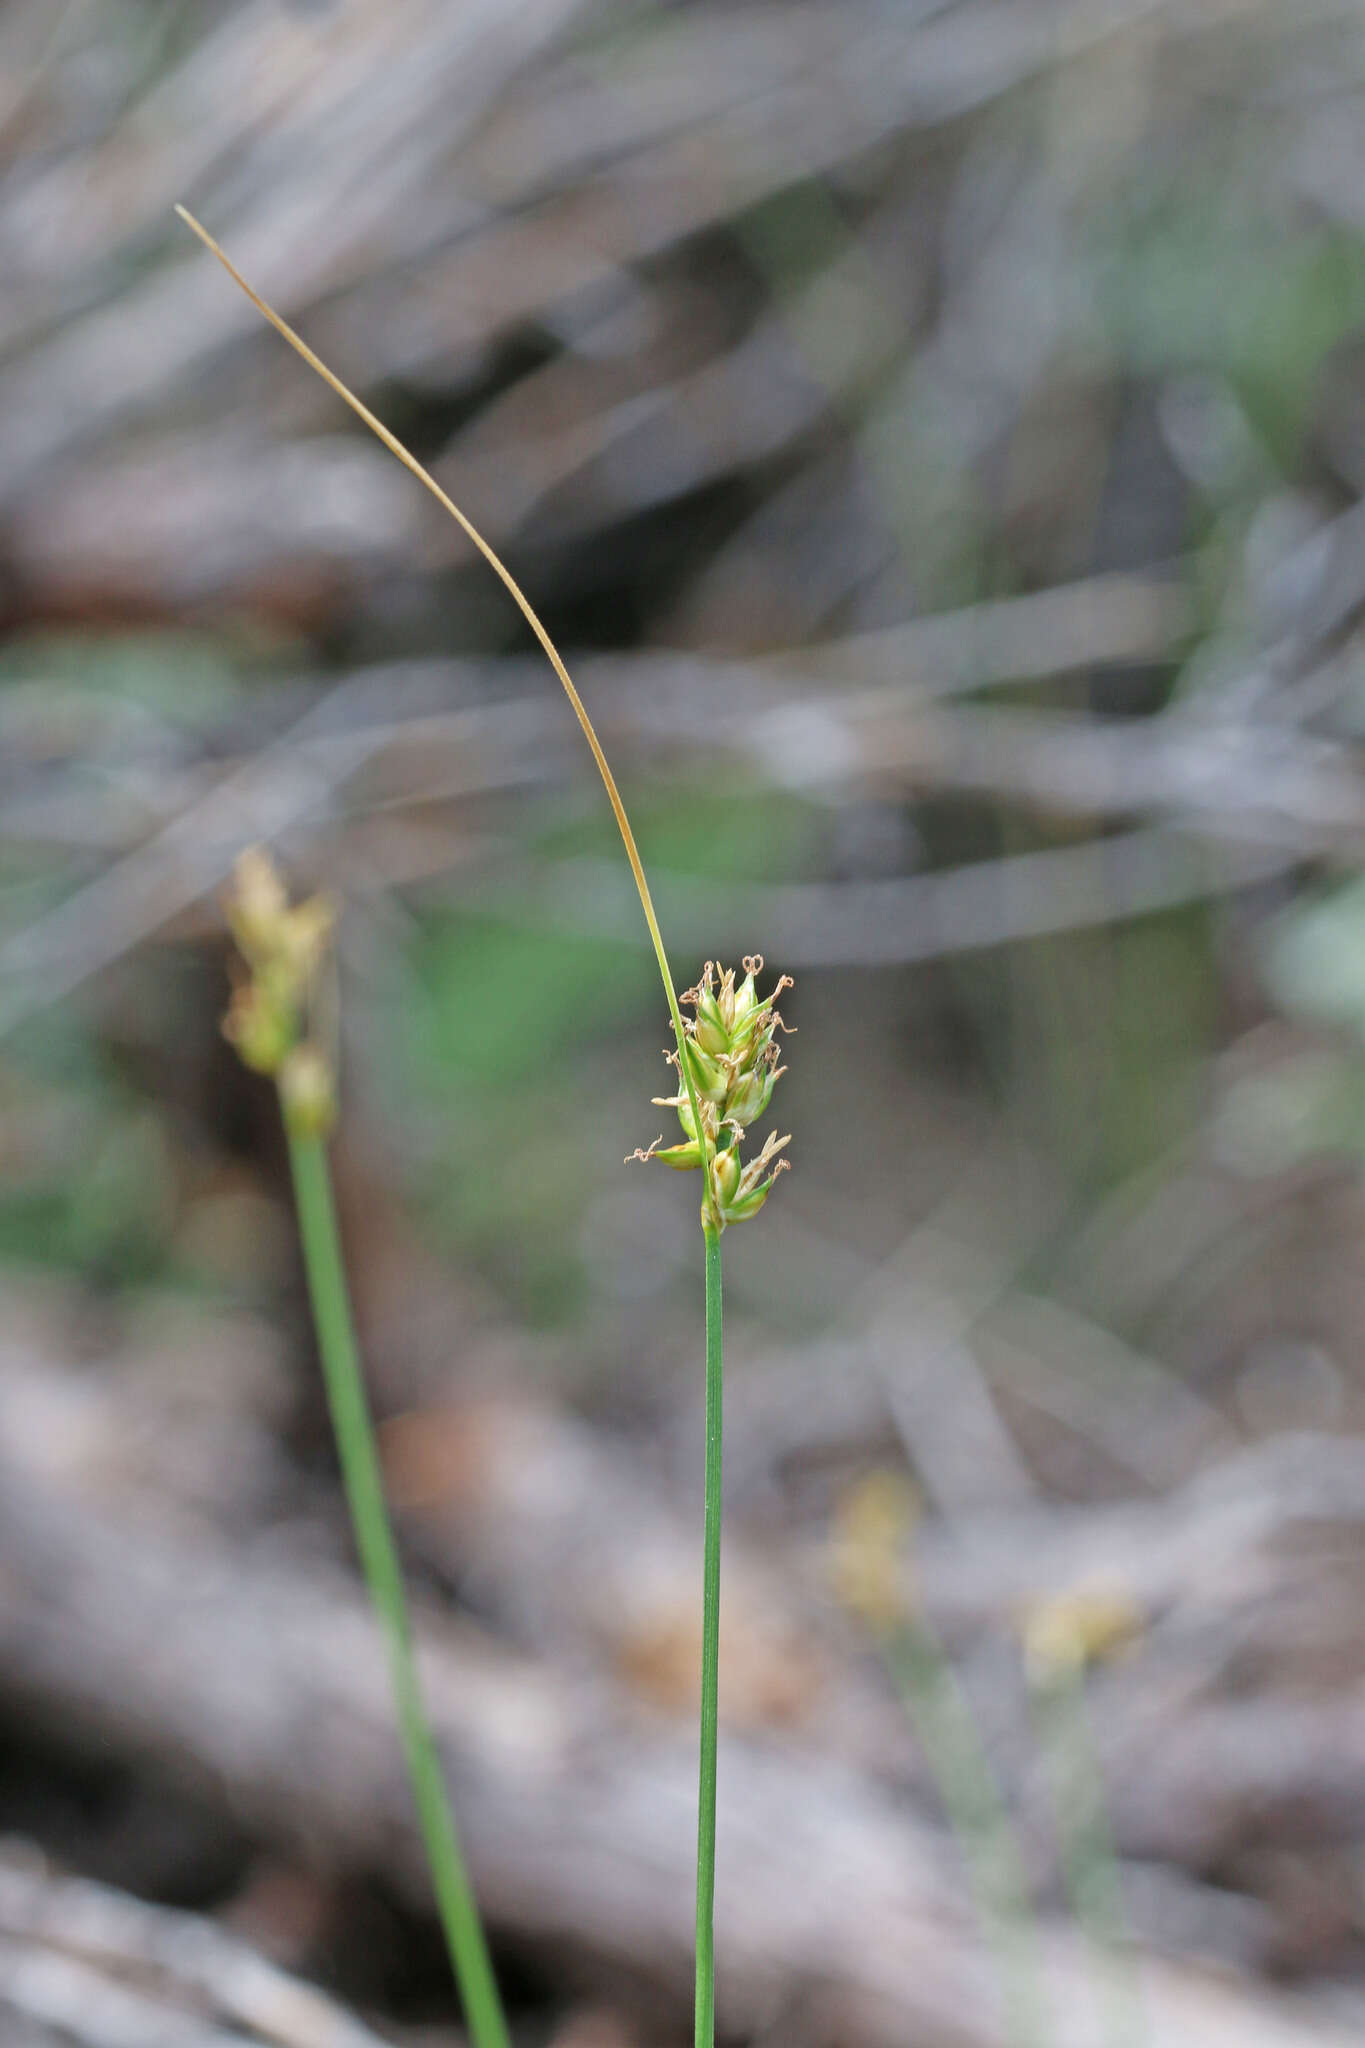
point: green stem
(379, 1557)
(1090, 1862)
(705, 2022)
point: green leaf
(1315, 962)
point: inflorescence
(269, 1018)
(732, 1056)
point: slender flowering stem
(736, 1057)
(705, 2012)
(379, 1558)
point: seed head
(873, 1523)
(732, 1058)
(283, 948)
(256, 905)
(261, 1029)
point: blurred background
(934, 431)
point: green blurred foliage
(1315, 959)
(86, 1174)
(1194, 276)
(188, 680)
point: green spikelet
(732, 1059)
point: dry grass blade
(523, 603)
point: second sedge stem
(374, 1539)
(705, 2012)
(979, 1817)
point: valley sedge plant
(873, 1525)
(1063, 1639)
(273, 1022)
(726, 1060)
